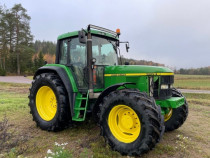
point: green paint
(173, 102)
(80, 107)
(98, 90)
(124, 69)
(142, 82)
(94, 32)
(69, 73)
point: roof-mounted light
(118, 31)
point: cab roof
(96, 32)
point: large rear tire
(49, 103)
(176, 117)
(130, 122)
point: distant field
(200, 82)
(84, 140)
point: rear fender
(64, 78)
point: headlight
(164, 86)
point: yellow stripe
(141, 74)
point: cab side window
(78, 61)
(77, 53)
(63, 52)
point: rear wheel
(46, 103)
(49, 103)
(130, 122)
(177, 116)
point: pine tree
(23, 37)
(40, 60)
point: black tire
(179, 115)
(62, 115)
(135, 91)
(148, 113)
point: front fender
(105, 93)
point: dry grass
(84, 140)
(201, 82)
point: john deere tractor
(132, 104)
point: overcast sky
(173, 32)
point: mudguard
(105, 93)
(64, 78)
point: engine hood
(135, 70)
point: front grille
(167, 79)
(165, 93)
(159, 93)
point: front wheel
(130, 122)
(177, 116)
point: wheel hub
(46, 103)
(124, 123)
(127, 121)
(168, 115)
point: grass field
(200, 82)
(20, 136)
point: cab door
(73, 54)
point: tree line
(18, 53)
(47, 47)
(194, 71)
(15, 39)
(123, 60)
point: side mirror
(127, 46)
(82, 37)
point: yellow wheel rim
(46, 103)
(168, 115)
(124, 123)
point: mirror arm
(126, 45)
(123, 42)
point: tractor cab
(88, 66)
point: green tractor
(132, 104)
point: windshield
(104, 50)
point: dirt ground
(25, 139)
